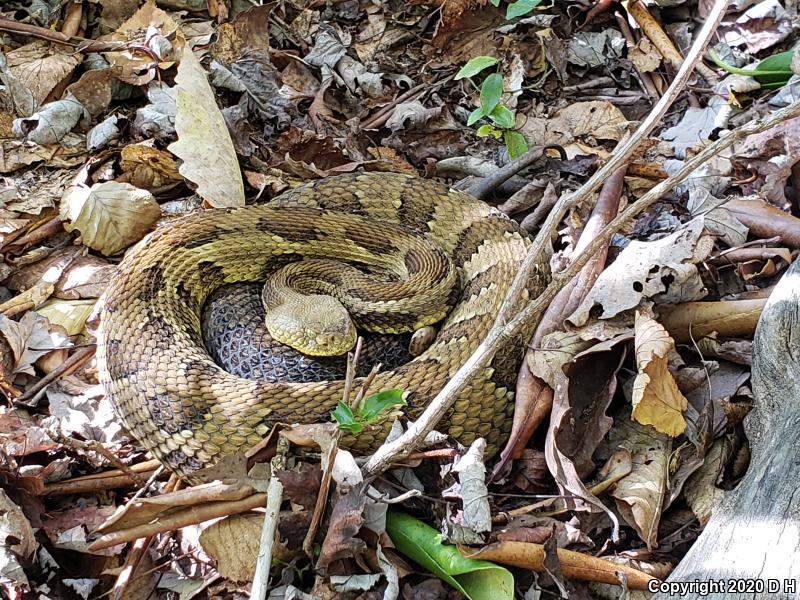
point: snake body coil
(189, 412)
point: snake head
(316, 325)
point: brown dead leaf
(68, 153)
(601, 120)
(41, 66)
(19, 540)
(85, 277)
(148, 167)
(204, 144)
(10, 224)
(765, 220)
(641, 270)
(145, 510)
(150, 27)
(30, 338)
(249, 31)
(93, 90)
(301, 484)
(110, 216)
(233, 542)
(532, 475)
(735, 351)
(346, 521)
(462, 20)
(640, 495)
(771, 156)
(396, 163)
(656, 399)
(700, 490)
(644, 56)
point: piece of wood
(751, 546)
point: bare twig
(274, 498)
(500, 334)
(192, 516)
(69, 366)
(486, 185)
(40, 32)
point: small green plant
(367, 411)
(503, 120)
(518, 8)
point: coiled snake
(189, 412)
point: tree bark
(751, 546)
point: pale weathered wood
(755, 533)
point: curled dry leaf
(475, 515)
(574, 565)
(233, 543)
(640, 271)
(640, 495)
(110, 216)
(51, 122)
(40, 66)
(19, 540)
(408, 115)
(657, 401)
(30, 338)
(204, 144)
(695, 320)
(701, 493)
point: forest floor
(118, 116)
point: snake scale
(189, 412)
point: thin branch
(270, 527)
(485, 185)
(499, 334)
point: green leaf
(495, 3)
(345, 419)
(515, 143)
(476, 65)
(521, 7)
(476, 579)
(775, 69)
(475, 115)
(491, 130)
(491, 91)
(375, 404)
(503, 117)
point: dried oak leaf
(110, 215)
(41, 66)
(639, 496)
(233, 543)
(30, 338)
(657, 401)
